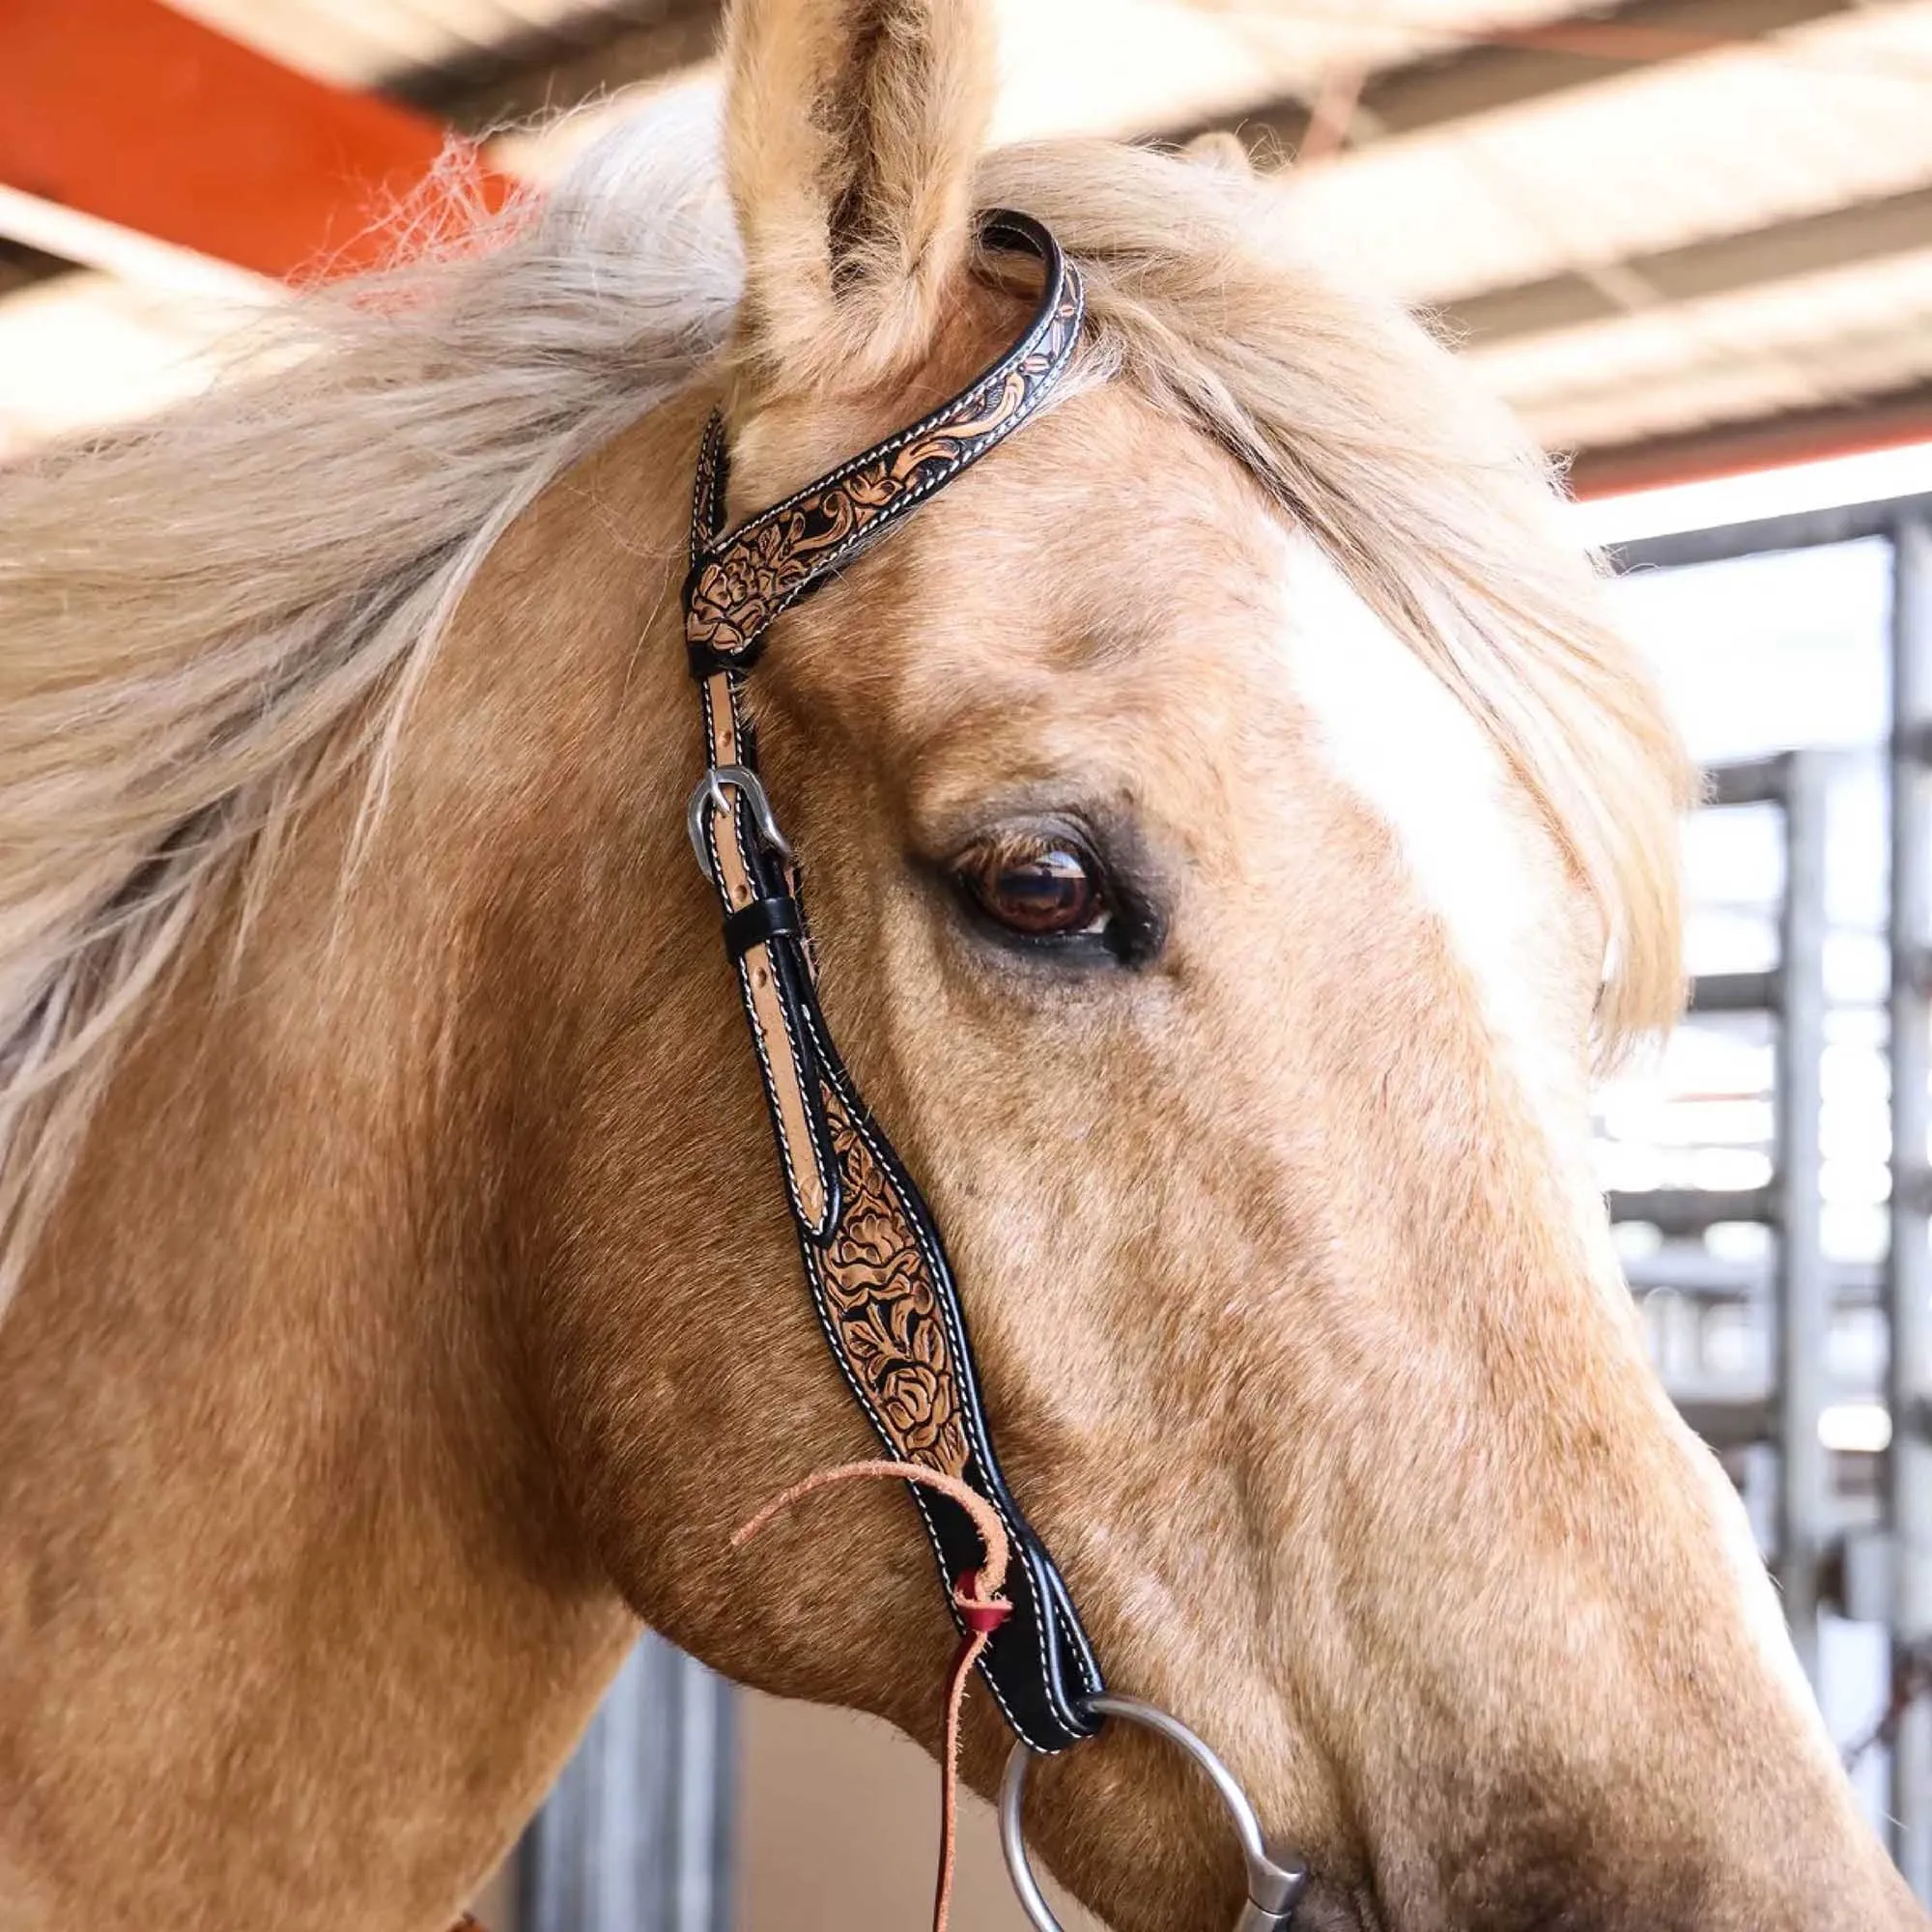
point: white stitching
(787, 1160)
(954, 1317)
(704, 490)
(1069, 309)
(901, 505)
(1061, 303)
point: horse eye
(1037, 885)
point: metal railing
(1909, 1299)
(1900, 1584)
(637, 1835)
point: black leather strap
(874, 1261)
(762, 920)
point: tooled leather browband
(875, 1261)
(740, 582)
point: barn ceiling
(1675, 234)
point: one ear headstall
(873, 1258)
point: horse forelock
(1204, 286)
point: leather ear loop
(976, 1595)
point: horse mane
(210, 617)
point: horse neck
(278, 1520)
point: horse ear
(852, 127)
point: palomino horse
(404, 1303)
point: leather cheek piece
(772, 973)
(874, 1260)
(886, 1298)
(773, 976)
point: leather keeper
(762, 920)
(706, 661)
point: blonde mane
(207, 618)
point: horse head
(1232, 831)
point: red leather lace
(976, 1595)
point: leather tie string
(976, 1598)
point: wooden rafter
(1721, 265)
(1890, 421)
(1509, 68)
(592, 51)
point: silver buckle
(710, 793)
(1272, 1886)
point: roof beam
(1514, 68)
(22, 265)
(137, 115)
(578, 58)
(586, 54)
(1840, 237)
(1878, 422)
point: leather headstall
(873, 1258)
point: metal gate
(1825, 1555)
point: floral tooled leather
(877, 1264)
(880, 1303)
(751, 574)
